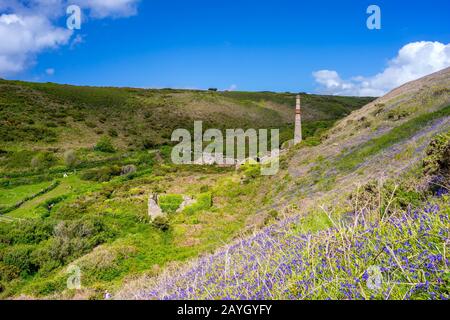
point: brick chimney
(298, 122)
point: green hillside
(47, 114)
(363, 215)
(77, 165)
(81, 200)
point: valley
(353, 196)
(67, 199)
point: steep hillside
(361, 216)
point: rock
(153, 209)
(130, 168)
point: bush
(43, 160)
(436, 165)
(8, 272)
(128, 169)
(101, 175)
(91, 124)
(74, 238)
(20, 257)
(204, 202)
(251, 171)
(151, 141)
(50, 203)
(273, 214)
(25, 232)
(104, 145)
(170, 202)
(161, 222)
(113, 133)
(437, 160)
(70, 158)
(146, 159)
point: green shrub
(437, 160)
(20, 257)
(128, 169)
(91, 124)
(112, 132)
(273, 213)
(251, 171)
(204, 202)
(48, 204)
(145, 159)
(398, 114)
(44, 159)
(161, 222)
(151, 141)
(25, 232)
(170, 202)
(74, 238)
(51, 124)
(8, 272)
(104, 145)
(101, 175)
(17, 159)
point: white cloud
(413, 61)
(233, 87)
(27, 28)
(50, 71)
(25, 36)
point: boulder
(153, 208)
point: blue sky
(247, 45)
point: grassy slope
(384, 141)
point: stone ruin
(154, 210)
(207, 158)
